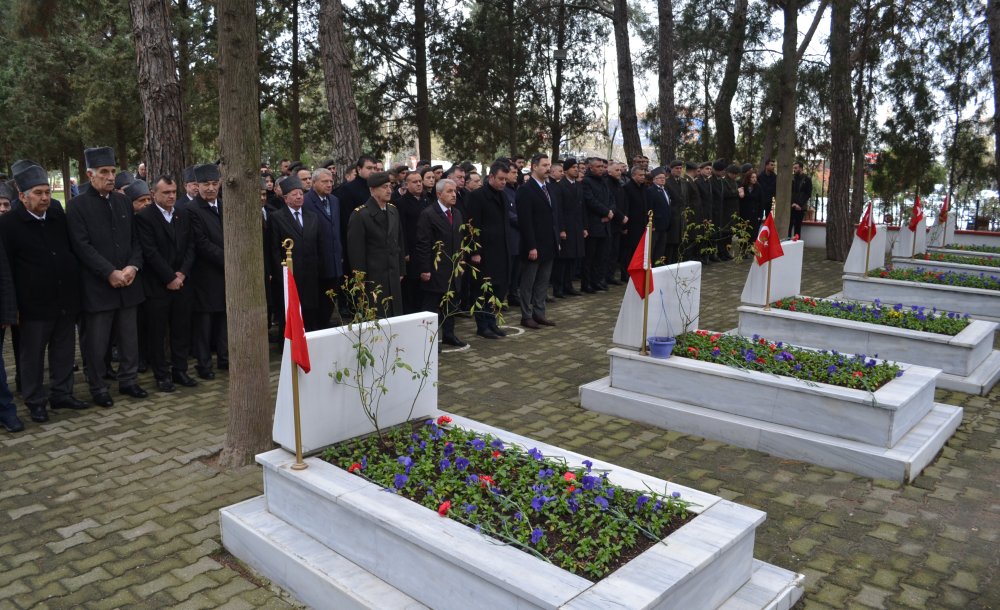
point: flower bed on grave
(943, 278)
(974, 248)
(911, 317)
(759, 354)
(961, 259)
(568, 515)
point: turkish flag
(918, 215)
(294, 327)
(943, 214)
(866, 228)
(768, 244)
(639, 264)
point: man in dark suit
(352, 194)
(375, 245)
(572, 233)
(537, 221)
(677, 191)
(638, 214)
(168, 250)
(598, 214)
(302, 226)
(102, 232)
(209, 273)
(439, 240)
(410, 204)
(658, 200)
(617, 225)
(492, 248)
(46, 278)
(321, 201)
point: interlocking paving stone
(108, 508)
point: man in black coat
(718, 182)
(598, 214)
(767, 182)
(102, 232)
(537, 219)
(617, 225)
(321, 201)
(351, 195)
(730, 210)
(492, 247)
(571, 230)
(208, 279)
(375, 245)
(658, 200)
(46, 278)
(638, 214)
(302, 226)
(410, 204)
(801, 192)
(439, 241)
(168, 251)
(677, 191)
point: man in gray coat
(103, 237)
(375, 245)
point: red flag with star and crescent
(640, 263)
(918, 215)
(943, 214)
(866, 228)
(768, 245)
(294, 327)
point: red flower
(496, 455)
(858, 374)
(780, 304)
(444, 419)
(353, 467)
(763, 341)
(487, 481)
(443, 509)
(761, 360)
(715, 337)
(693, 350)
(569, 476)
(570, 489)
(792, 307)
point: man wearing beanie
(209, 275)
(102, 235)
(293, 221)
(375, 244)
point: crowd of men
(135, 266)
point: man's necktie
(451, 220)
(546, 191)
(298, 218)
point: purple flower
(785, 356)
(470, 508)
(423, 445)
(444, 464)
(545, 473)
(518, 516)
(536, 535)
(716, 351)
(898, 307)
(405, 461)
(641, 501)
(535, 454)
(400, 480)
(588, 482)
(497, 444)
(471, 479)
(601, 502)
(749, 356)
(461, 463)
(871, 364)
(797, 367)
(364, 462)
(478, 444)
(572, 503)
(448, 449)
(830, 370)
(610, 493)
(588, 464)
(537, 503)
(676, 494)
(899, 373)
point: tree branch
(812, 29)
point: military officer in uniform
(375, 245)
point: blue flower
(676, 494)
(601, 503)
(536, 535)
(756, 338)
(364, 462)
(405, 461)
(898, 307)
(518, 516)
(537, 503)
(470, 508)
(572, 503)
(871, 364)
(444, 464)
(471, 479)
(400, 480)
(830, 370)
(423, 445)
(749, 356)
(448, 449)
(415, 437)
(588, 464)
(478, 444)
(641, 501)
(899, 373)
(545, 473)
(497, 444)
(461, 463)
(785, 356)
(610, 492)
(535, 454)
(588, 482)
(797, 367)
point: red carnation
(444, 419)
(569, 476)
(486, 480)
(353, 467)
(443, 509)
(496, 454)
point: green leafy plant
(944, 278)
(569, 515)
(912, 317)
(974, 248)
(982, 261)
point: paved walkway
(117, 508)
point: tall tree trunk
(786, 128)
(294, 115)
(250, 406)
(725, 134)
(159, 89)
(556, 126)
(339, 89)
(993, 17)
(510, 84)
(423, 109)
(184, 72)
(705, 149)
(838, 219)
(626, 83)
(665, 55)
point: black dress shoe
(544, 321)
(38, 413)
(529, 323)
(588, 290)
(134, 391)
(603, 287)
(103, 400)
(571, 292)
(184, 379)
(11, 422)
(559, 295)
(498, 331)
(549, 300)
(70, 402)
(486, 333)
(206, 373)
(454, 341)
(165, 385)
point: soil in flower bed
(945, 278)
(974, 248)
(912, 317)
(567, 514)
(759, 354)
(983, 261)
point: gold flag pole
(767, 289)
(288, 244)
(913, 248)
(647, 278)
(868, 243)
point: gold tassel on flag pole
(288, 244)
(648, 277)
